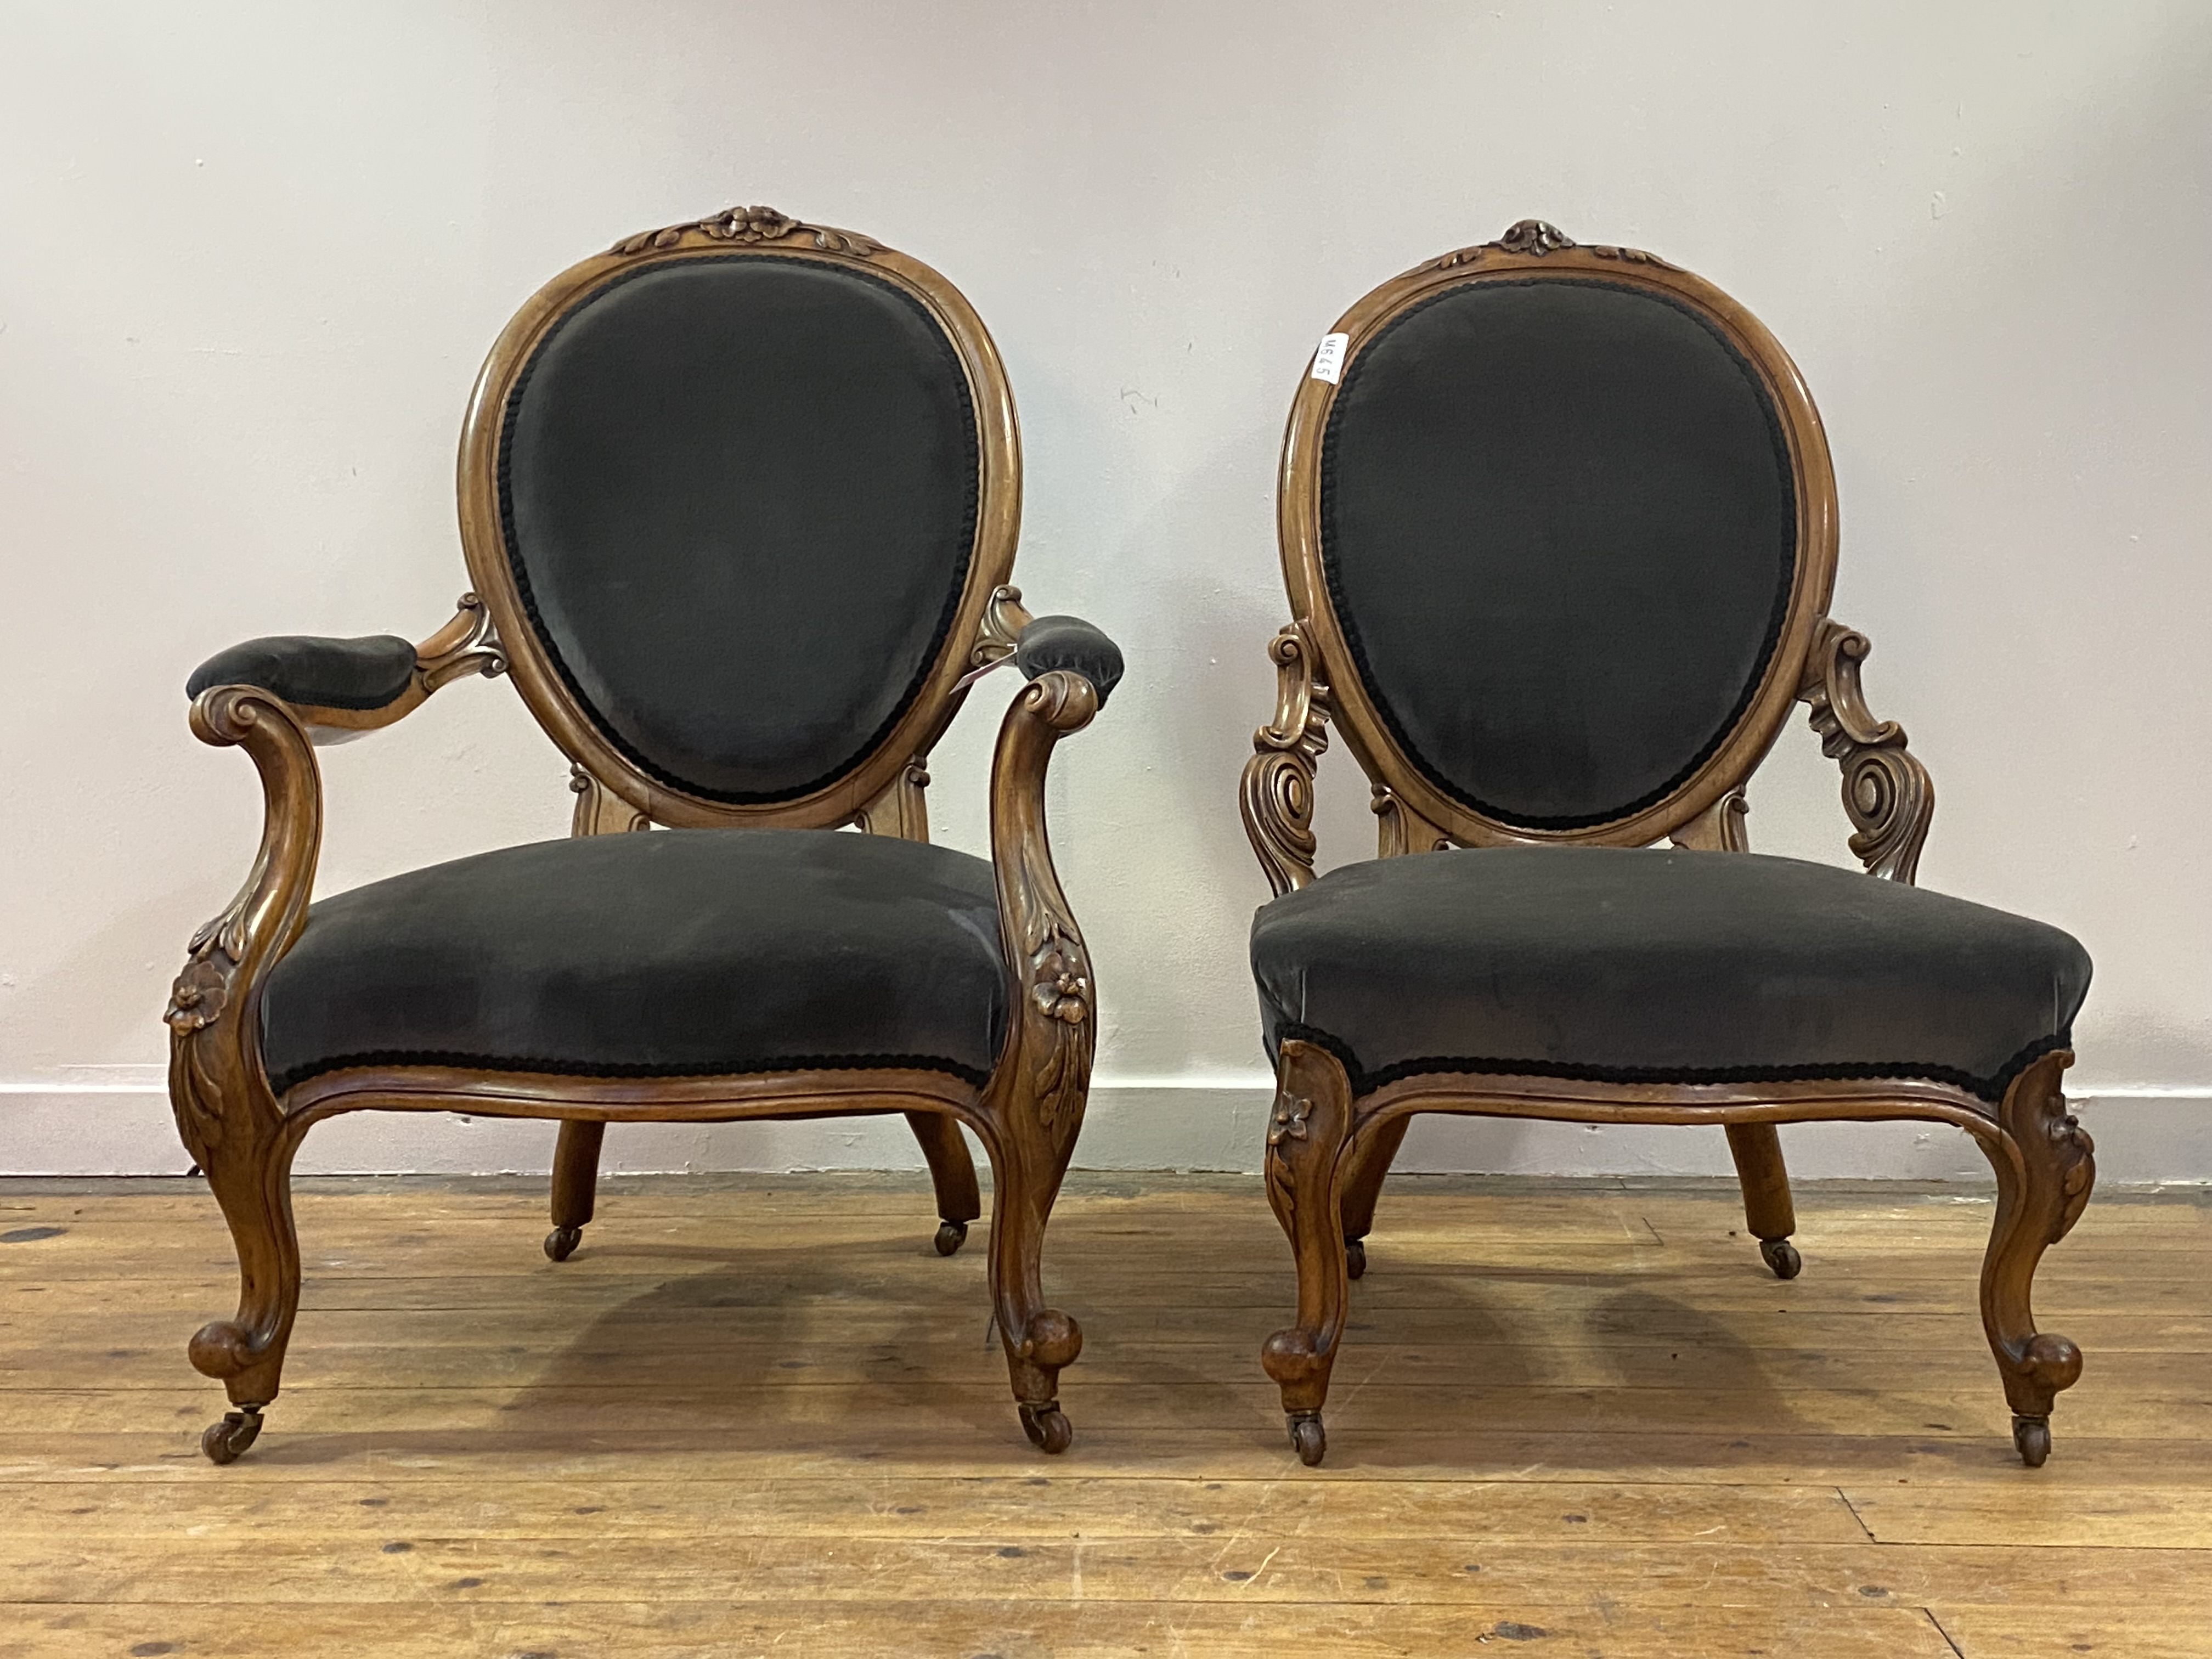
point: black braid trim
(1991, 1089)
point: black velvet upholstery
(363, 673)
(1629, 965)
(670, 952)
(1558, 528)
(739, 496)
(1050, 642)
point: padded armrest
(364, 673)
(1051, 642)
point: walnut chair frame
(244, 1134)
(1328, 1149)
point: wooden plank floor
(758, 1416)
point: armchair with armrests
(739, 500)
(1558, 528)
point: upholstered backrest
(1557, 523)
(737, 491)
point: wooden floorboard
(761, 1417)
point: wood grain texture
(1028, 1113)
(1587, 1425)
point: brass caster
(561, 1244)
(950, 1236)
(1310, 1439)
(1781, 1255)
(1046, 1426)
(1355, 1258)
(224, 1441)
(2032, 1435)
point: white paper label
(1328, 362)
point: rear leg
(952, 1171)
(1767, 1210)
(1362, 1186)
(575, 1184)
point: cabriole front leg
(1028, 1163)
(227, 1116)
(1034, 1108)
(2045, 1166)
(1307, 1131)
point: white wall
(249, 257)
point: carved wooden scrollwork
(1721, 828)
(1532, 237)
(902, 810)
(227, 1116)
(599, 811)
(469, 644)
(1054, 1009)
(1399, 830)
(2039, 1198)
(746, 226)
(1278, 780)
(1886, 791)
(1000, 630)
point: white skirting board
(119, 1124)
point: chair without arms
(1559, 536)
(739, 499)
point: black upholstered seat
(673, 953)
(1619, 964)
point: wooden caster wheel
(1781, 1255)
(1048, 1428)
(561, 1244)
(1355, 1258)
(224, 1441)
(950, 1236)
(1310, 1440)
(2032, 1435)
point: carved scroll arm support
(1053, 1032)
(1278, 795)
(1036, 1104)
(339, 688)
(1886, 791)
(213, 1013)
(227, 1115)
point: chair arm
(1052, 1029)
(1038, 645)
(357, 685)
(1071, 644)
(1886, 791)
(214, 1015)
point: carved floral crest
(746, 225)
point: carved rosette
(1285, 1128)
(746, 227)
(1886, 791)
(1060, 995)
(1278, 793)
